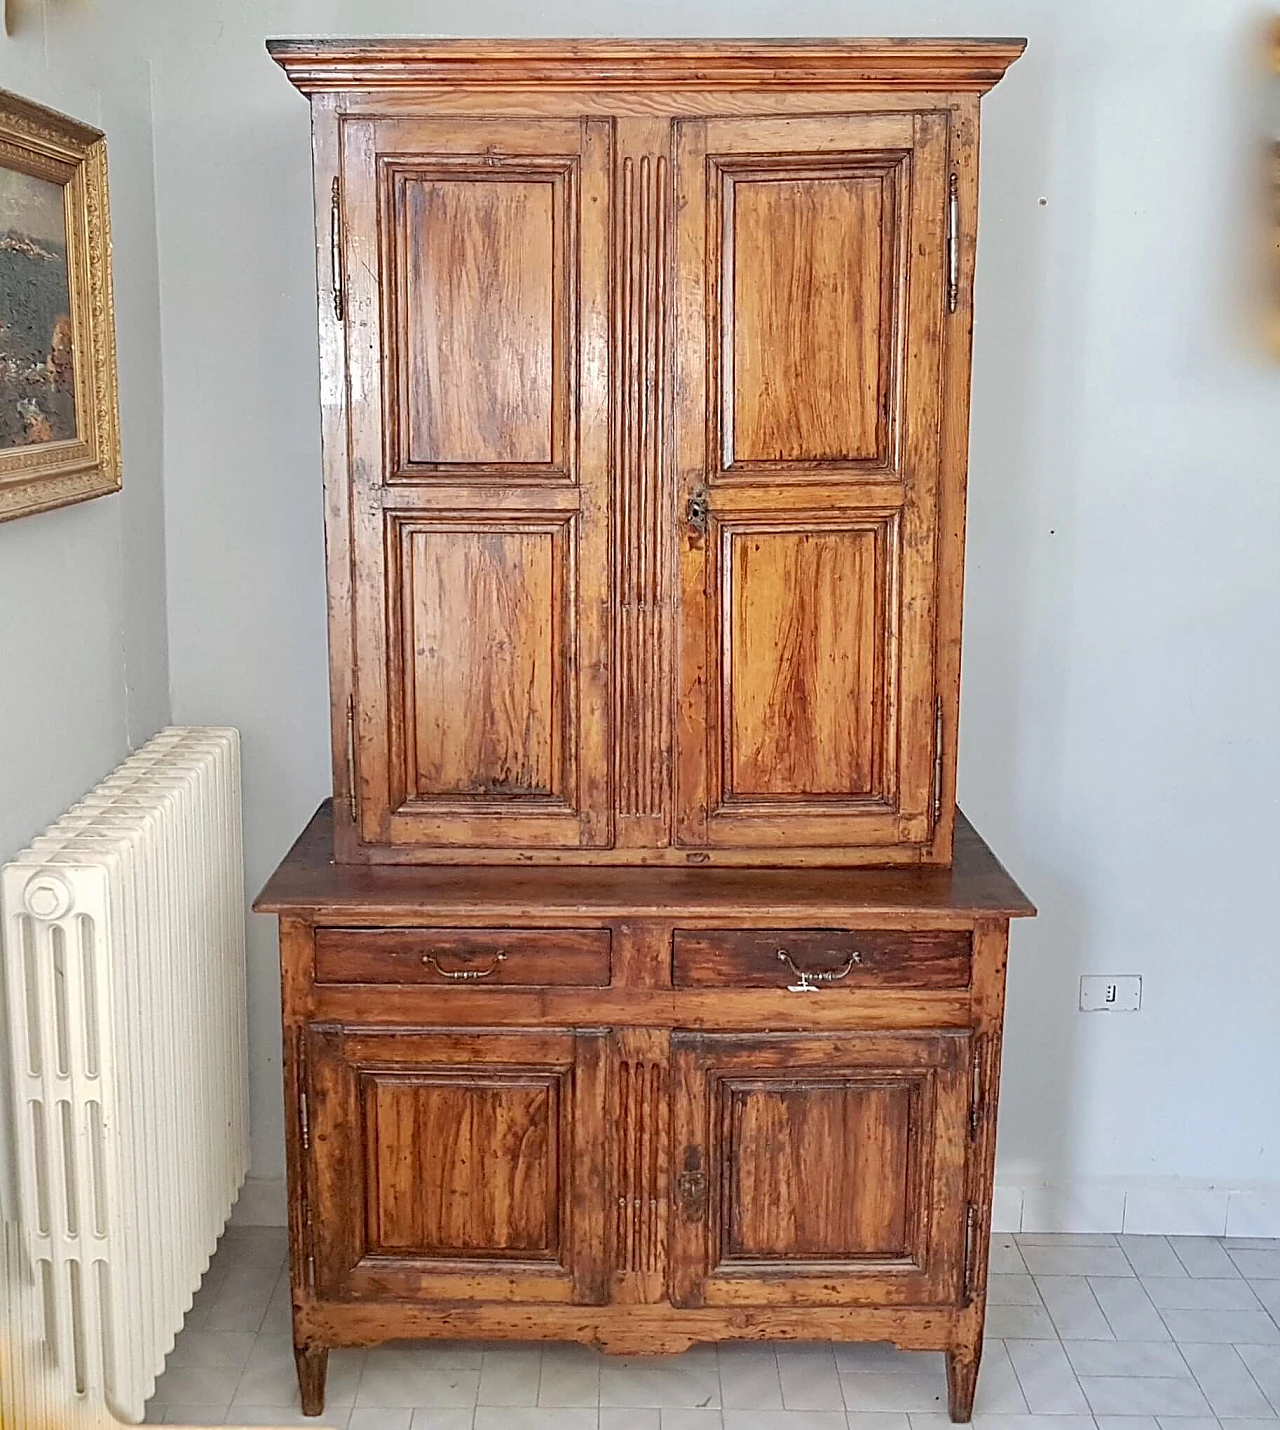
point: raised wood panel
(458, 1165)
(484, 682)
(810, 305)
(463, 1166)
(818, 1170)
(804, 669)
(482, 331)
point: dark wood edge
(316, 65)
(310, 885)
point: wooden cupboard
(644, 385)
(645, 388)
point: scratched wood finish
(857, 958)
(480, 330)
(462, 1166)
(785, 1199)
(793, 1150)
(810, 337)
(808, 372)
(453, 958)
(640, 490)
(472, 259)
(803, 684)
(645, 374)
(484, 681)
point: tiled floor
(1088, 1332)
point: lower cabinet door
(819, 1169)
(456, 1164)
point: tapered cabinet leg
(312, 1363)
(962, 1382)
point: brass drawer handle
(809, 981)
(466, 974)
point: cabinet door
(456, 1165)
(820, 1169)
(475, 298)
(811, 259)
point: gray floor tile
(1225, 1379)
(784, 1420)
(688, 1381)
(570, 1377)
(810, 1380)
(444, 1419)
(1258, 1265)
(1011, 1289)
(631, 1419)
(1019, 1322)
(1268, 1292)
(1138, 1358)
(335, 1417)
(1264, 1366)
(510, 1376)
(1239, 1327)
(1151, 1256)
(878, 1420)
(691, 1420)
(506, 1418)
(1137, 1422)
(999, 1391)
(915, 1391)
(1128, 1309)
(1203, 1256)
(195, 1415)
(1143, 1395)
(1048, 1260)
(749, 1377)
(1200, 1293)
(1005, 1256)
(1047, 1380)
(876, 1357)
(380, 1419)
(1073, 1308)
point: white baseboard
(1141, 1206)
(1169, 1206)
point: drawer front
(817, 959)
(465, 958)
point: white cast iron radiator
(125, 977)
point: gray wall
(84, 674)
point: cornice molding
(973, 65)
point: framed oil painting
(59, 408)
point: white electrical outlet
(1110, 992)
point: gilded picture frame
(59, 397)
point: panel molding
(890, 171)
(559, 796)
(396, 174)
(884, 529)
(640, 493)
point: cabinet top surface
(975, 885)
(316, 65)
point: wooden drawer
(820, 958)
(465, 958)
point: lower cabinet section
(545, 1165)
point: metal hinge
(351, 755)
(970, 1231)
(335, 248)
(953, 243)
(311, 1274)
(937, 759)
(304, 1121)
(975, 1091)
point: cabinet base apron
(637, 1331)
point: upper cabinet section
(645, 384)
